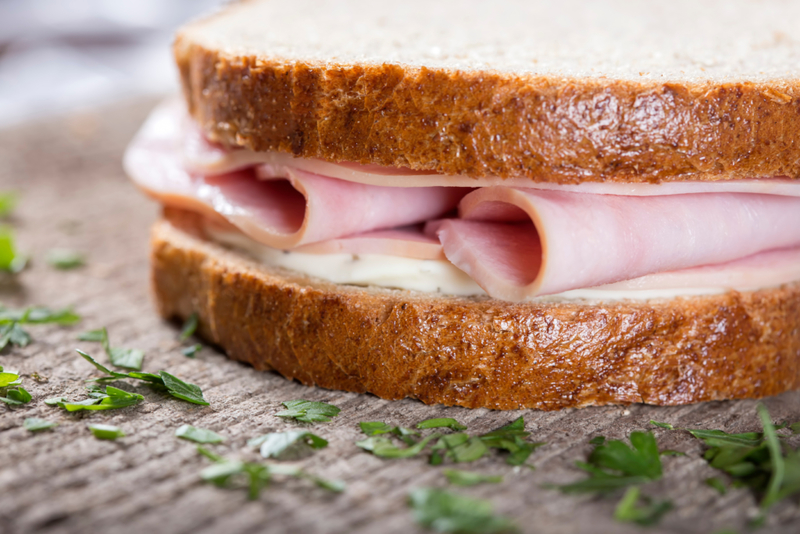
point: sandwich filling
(512, 239)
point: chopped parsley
(189, 327)
(8, 201)
(639, 509)
(375, 428)
(717, 484)
(109, 399)
(255, 476)
(468, 478)
(39, 315)
(119, 356)
(198, 435)
(308, 411)
(16, 396)
(442, 422)
(613, 465)
(293, 444)
(65, 259)
(459, 447)
(11, 260)
(106, 431)
(384, 447)
(35, 424)
(444, 511)
(192, 350)
(511, 438)
(174, 385)
(9, 378)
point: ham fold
(521, 243)
(286, 208)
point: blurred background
(59, 56)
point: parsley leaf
(442, 422)
(39, 315)
(8, 378)
(191, 351)
(110, 399)
(35, 424)
(309, 411)
(635, 508)
(10, 260)
(15, 397)
(795, 428)
(460, 448)
(511, 438)
(448, 512)
(467, 478)
(183, 390)
(198, 435)
(614, 465)
(175, 386)
(668, 426)
(225, 473)
(293, 444)
(383, 446)
(375, 428)
(53, 401)
(120, 357)
(8, 201)
(65, 259)
(106, 431)
(189, 327)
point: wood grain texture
(74, 195)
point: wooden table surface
(74, 194)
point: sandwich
(503, 205)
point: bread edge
(477, 352)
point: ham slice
(282, 209)
(521, 243)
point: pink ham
(283, 210)
(521, 243)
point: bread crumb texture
(609, 90)
(478, 352)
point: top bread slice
(566, 91)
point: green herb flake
(468, 478)
(8, 378)
(11, 261)
(189, 327)
(110, 399)
(174, 385)
(65, 259)
(198, 435)
(191, 351)
(636, 508)
(511, 438)
(308, 411)
(15, 397)
(96, 336)
(8, 201)
(460, 447)
(53, 401)
(35, 424)
(183, 390)
(39, 315)
(597, 440)
(293, 444)
(442, 422)
(13, 334)
(668, 426)
(383, 447)
(795, 428)
(717, 484)
(444, 511)
(225, 473)
(615, 465)
(374, 428)
(109, 432)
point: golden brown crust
(491, 123)
(478, 352)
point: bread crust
(477, 352)
(481, 123)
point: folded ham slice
(520, 243)
(283, 209)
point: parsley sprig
(110, 398)
(174, 385)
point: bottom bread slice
(477, 352)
